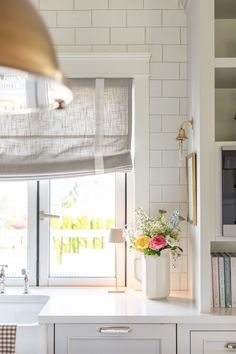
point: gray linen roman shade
(93, 134)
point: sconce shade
(116, 235)
(181, 135)
(26, 47)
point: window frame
(44, 242)
(101, 65)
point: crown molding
(185, 4)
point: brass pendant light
(30, 77)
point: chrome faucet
(25, 272)
(2, 278)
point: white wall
(156, 26)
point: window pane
(78, 239)
(13, 226)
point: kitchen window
(47, 250)
(58, 229)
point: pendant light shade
(30, 77)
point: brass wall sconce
(181, 137)
(30, 77)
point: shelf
(225, 63)
(223, 246)
(225, 9)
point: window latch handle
(43, 215)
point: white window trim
(123, 65)
(31, 238)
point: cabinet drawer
(219, 342)
(115, 339)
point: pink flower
(157, 242)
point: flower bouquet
(153, 235)
(156, 238)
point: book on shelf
(223, 279)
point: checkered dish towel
(7, 339)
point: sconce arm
(188, 121)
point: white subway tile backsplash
(174, 18)
(182, 176)
(163, 35)
(74, 48)
(184, 264)
(174, 193)
(171, 123)
(90, 4)
(143, 18)
(175, 53)
(183, 71)
(163, 141)
(175, 281)
(170, 159)
(169, 207)
(183, 242)
(163, 71)
(183, 106)
(56, 5)
(109, 18)
(162, 105)
(174, 88)
(92, 36)
(74, 18)
(137, 48)
(155, 124)
(183, 210)
(161, 4)
(109, 48)
(184, 281)
(156, 52)
(125, 4)
(63, 36)
(155, 88)
(164, 176)
(183, 35)
(155, 194)
(155, 158)
(127, 36)
(50, 18)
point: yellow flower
(142, 242)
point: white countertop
(96, 305)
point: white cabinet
(115, 339)
(206, 338)
(219, 342)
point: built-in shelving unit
(224, 115)
(212, 103)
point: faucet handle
(24, 271)
(3, 266)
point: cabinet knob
(230, 346)
(114, 330)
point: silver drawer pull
(230, 346)
(115, 330)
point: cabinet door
(219, 342)
(115, 339)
